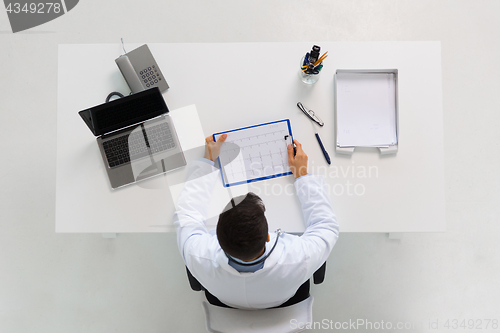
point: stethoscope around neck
(279, 232)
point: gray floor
(136, 283)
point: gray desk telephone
(140, 70)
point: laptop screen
(128, 110)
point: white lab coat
(293, 261)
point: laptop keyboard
(137, 144)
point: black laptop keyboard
(137, 144)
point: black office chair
(301, 294)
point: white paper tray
(359, 95)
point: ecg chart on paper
(262, 154)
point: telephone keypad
(150, 76)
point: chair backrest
(319, 275)
(290, 319)
(301, 294)
(284, 320)
(195, 284)
(318, 278)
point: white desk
(236, 85)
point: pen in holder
(311, 65)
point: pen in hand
(289, 141)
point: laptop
(136, 137)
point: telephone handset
(140, 70)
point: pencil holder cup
(309, 78)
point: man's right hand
(297, 163)
(212, 149)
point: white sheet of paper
(262, 153)
(366, 110)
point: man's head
(242, 228)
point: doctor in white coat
(241, 264)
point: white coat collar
(270, 262)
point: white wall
(136, 283)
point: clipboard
(262, 153)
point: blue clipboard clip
(310, 114)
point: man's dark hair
(242, 228)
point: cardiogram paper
(262, 153)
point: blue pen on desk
(323, 148)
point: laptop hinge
(105, 135)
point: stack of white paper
(366, 110)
